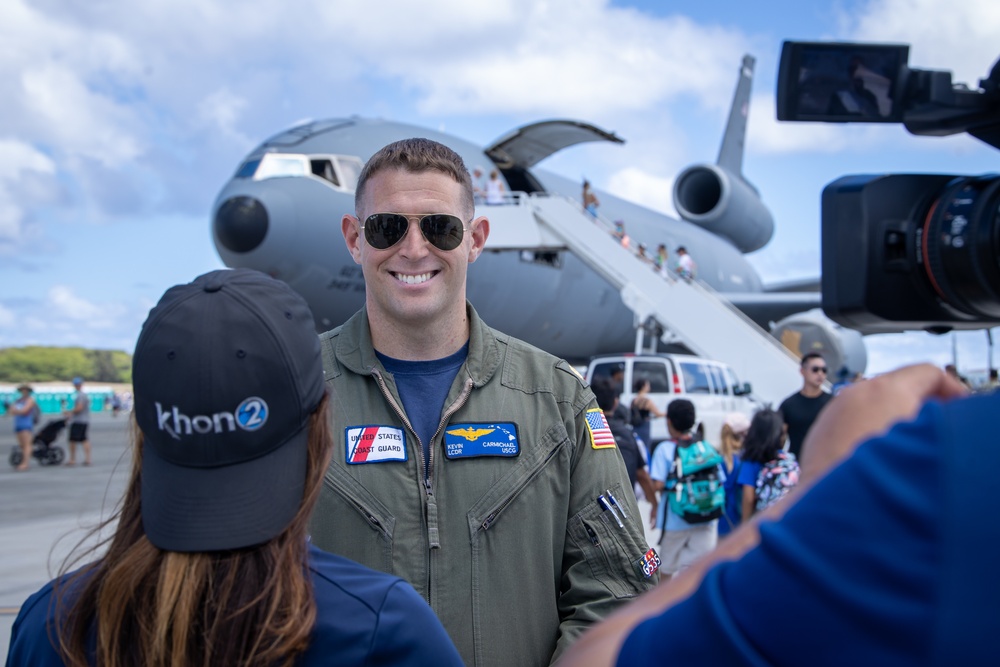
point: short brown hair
(806, 358)
(417, 155)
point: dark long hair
(252, 606)
(765, 437)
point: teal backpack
(697, 493)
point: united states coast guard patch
(462, 441)
(375, 444)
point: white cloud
(63, 318)
(643, 188)
(16, 158)
(957, 36)
(80, 122)
(772, 136)
(68, 307)
(222, 110)
(561, 57)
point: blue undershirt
(423, 387)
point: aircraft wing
(795, 285)
(764, 307)
(530, 144)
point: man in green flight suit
(473, 465)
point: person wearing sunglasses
(476, 467)
(801, 408)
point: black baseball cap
(226, 373)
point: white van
(711, 386)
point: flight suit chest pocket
(616, 558)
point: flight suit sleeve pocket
(614, 556)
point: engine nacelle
(725, 205)
(812, 331)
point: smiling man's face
(413, 283)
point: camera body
(901, 251)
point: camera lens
(961, 246)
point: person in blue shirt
(763, 443)
(24, 410)
(209, 561)
(681, 542)
(734, 430)
(882, 555)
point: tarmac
(48, 511)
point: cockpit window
(324, 169)
(277, 165)
(248, 168)
(340, 171)
(350, 171)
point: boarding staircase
(710, 326)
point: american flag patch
(601, 436)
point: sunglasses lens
(443, 231)
(384, 230)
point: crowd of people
(417, 487)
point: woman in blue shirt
(23, 411)
(209, 562)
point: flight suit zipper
(426, 466)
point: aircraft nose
(241, 223)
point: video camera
(901, 251)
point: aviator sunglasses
(443, 231)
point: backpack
(776, 478)
(697, 493)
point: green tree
(46, 364)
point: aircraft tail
(717, 197)
(731, 151)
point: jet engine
(812, 331)
(724, 204)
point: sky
(122, 120)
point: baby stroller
(42, 447)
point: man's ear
(480, 232)
(350, 227)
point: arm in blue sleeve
(409, 633)
(849, 572)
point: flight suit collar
(355, 351)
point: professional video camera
(901, 251)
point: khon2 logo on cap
(250, 415)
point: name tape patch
(375, 444)
(481, 439)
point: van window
(734, 384)
(655, 372)
(607, 370)
(695, 378)
(721, 386)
